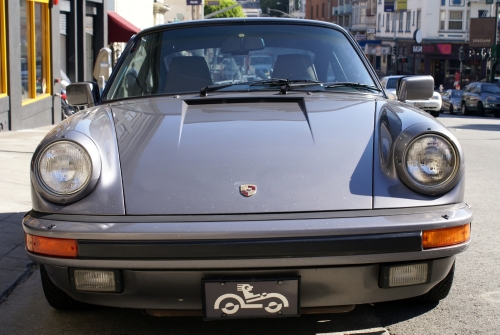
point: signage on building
(388, 5)
(360, 37)
(431, 49)
(482, 32)
(212, 2)
(377, 49)
(401, 5)
(193, 2)
(370, 30)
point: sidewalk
(16, 149)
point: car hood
(190, 156)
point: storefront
(39, 38)
(441, 61)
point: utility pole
(461, 59)
(395, 49)
(494, 49)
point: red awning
(119, 29)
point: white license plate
(250, 298)
(419, 104)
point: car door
(446, 100)
(469, 96)
(475, 96)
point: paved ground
(16, 149)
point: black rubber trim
(252, 248)
(243, 217)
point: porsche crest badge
(248, 190)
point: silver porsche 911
(184, 186)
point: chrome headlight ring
(428, 161)
(82, 146)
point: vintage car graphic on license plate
(243, 299)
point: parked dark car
(451, 101)
(248, 199)
(480, 98)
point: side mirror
(80, 94)
(102, 65)
(415, 88)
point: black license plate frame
(251, 298)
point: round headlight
(431, 163)
(64, 168)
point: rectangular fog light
(405, 274)
(96, 280)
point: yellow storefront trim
(3, 50)
(46, 54)
(38, 98)
(46, 48)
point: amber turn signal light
(48, 246)
(439, 238)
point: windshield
(187, 59)
(490, 88)
(456, 94)
(392, 83)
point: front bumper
(163, 259)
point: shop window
(3, 50)
(455, 22)
(35, 48)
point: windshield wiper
(212, 88)
(277, 82)
(354, 85)
(286, 85)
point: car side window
(477, 89)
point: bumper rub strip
(252, 248)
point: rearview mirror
(415, 88)
(80, 94)
(242, 45)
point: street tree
(233, 12)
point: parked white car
(432, 105)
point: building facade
(428, 35)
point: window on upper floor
(378, 22)
(3, 50)
(35, 48)
(387, 21)
(443, 2)
(400, 28)
(442, 20)
(346, 21)
(323, 10)
(482, 13)
(457, 2)
(317, 11)
(467, 19)
(419, 14)
(456, 20)
(311, 13)
(413, 18)
(408, 19)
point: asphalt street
(473, 306)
